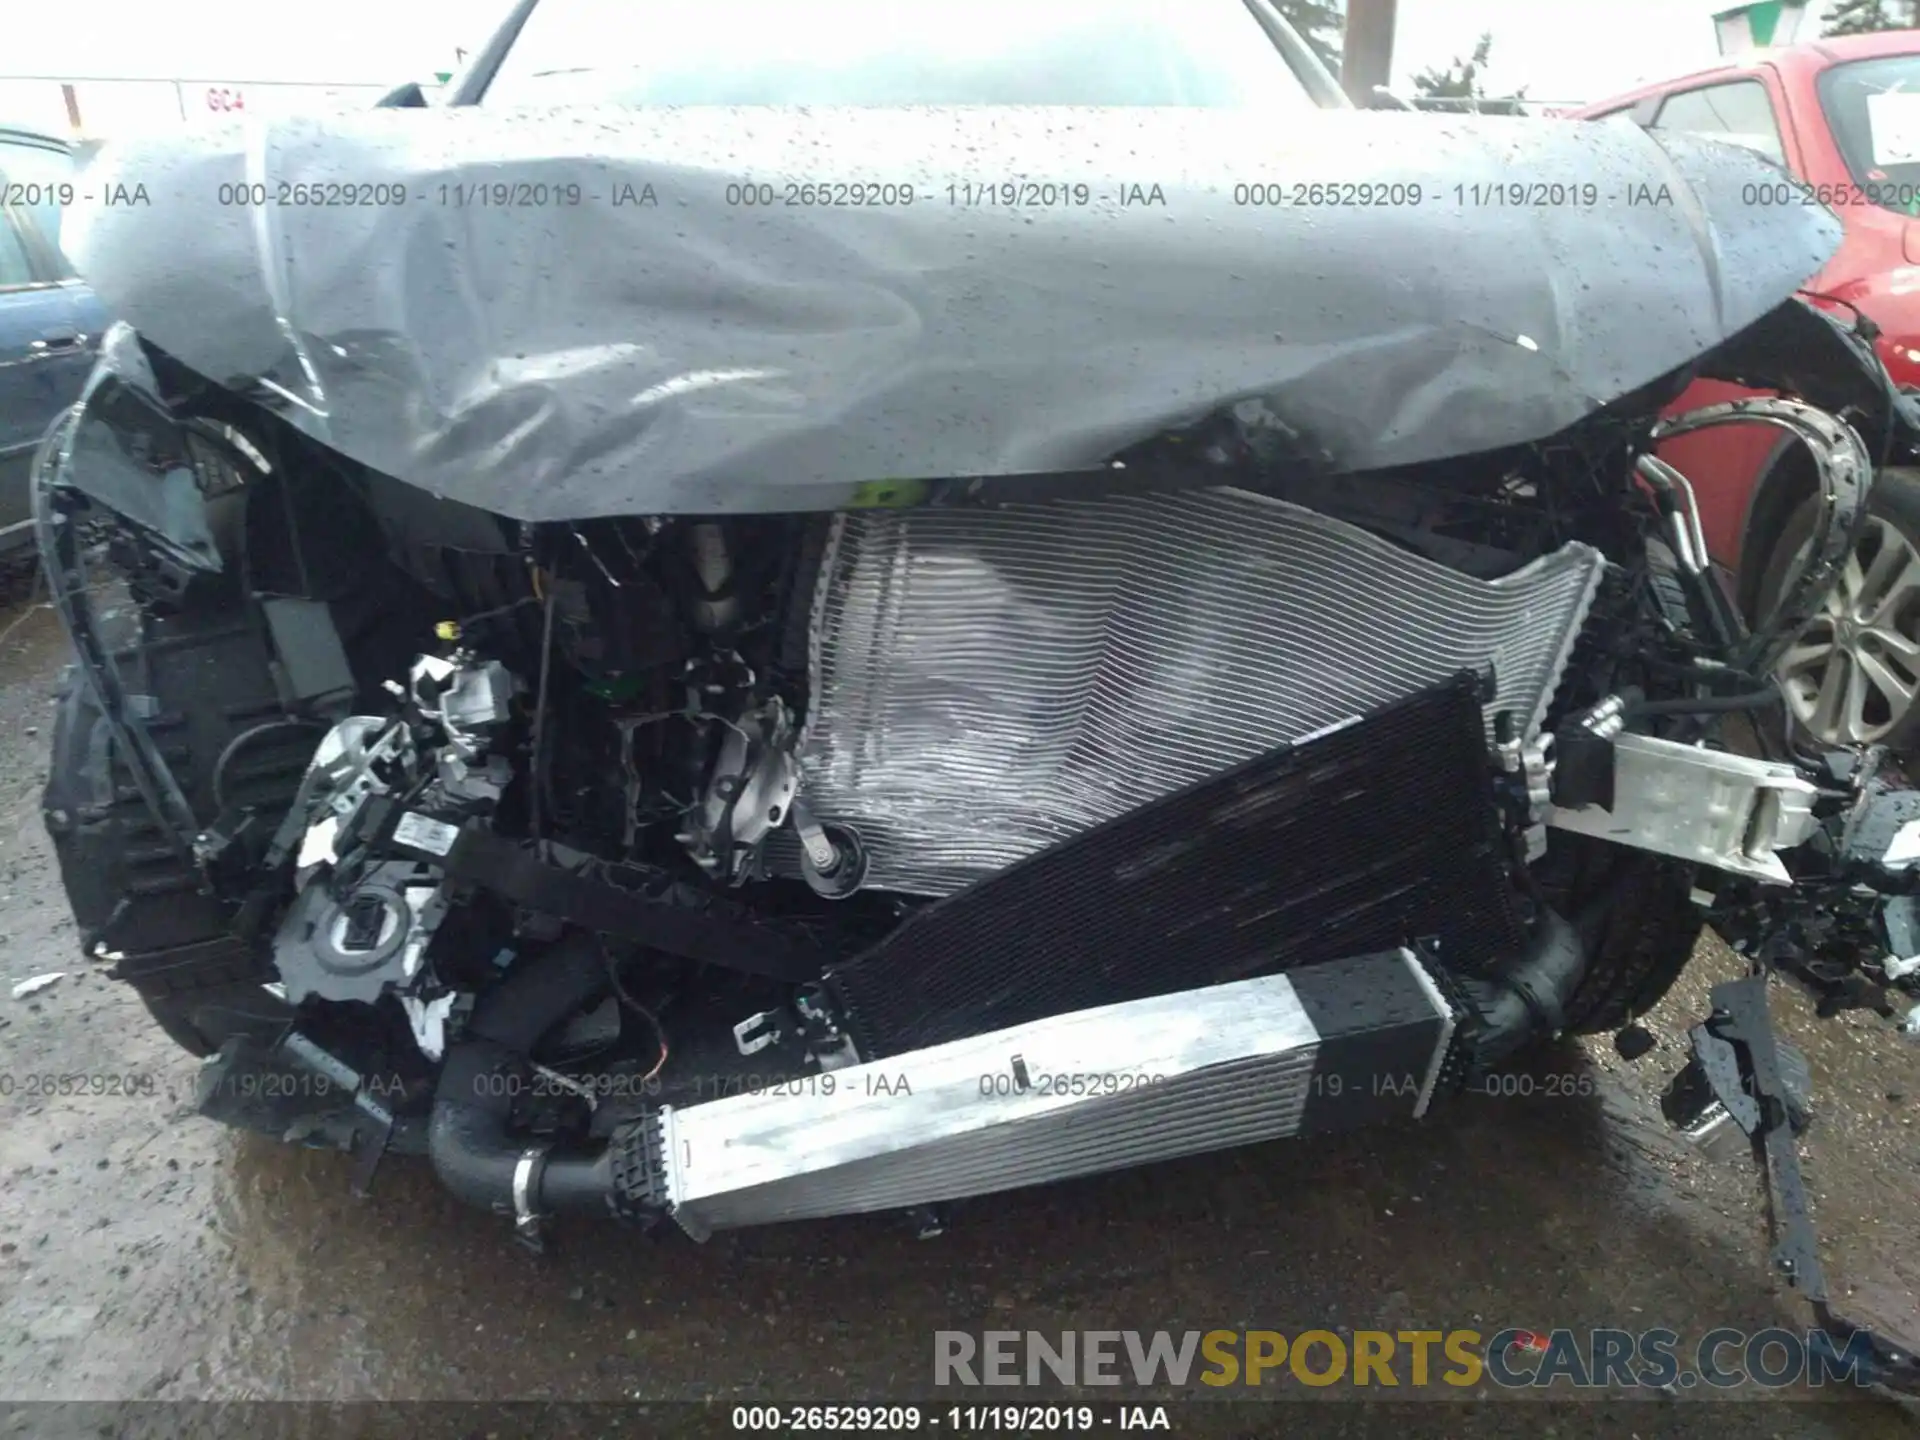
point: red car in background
(1842, 115)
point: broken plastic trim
(59, 543)
(1755, 1092)
(128, 451)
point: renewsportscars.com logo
(1412, 1359)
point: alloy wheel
(1853, 674)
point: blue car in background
(50, 322)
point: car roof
(1808, 58)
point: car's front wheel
(1852, 676)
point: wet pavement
(146, 1254)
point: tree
(1321, 23)
(1863, 17)
(1460, 82)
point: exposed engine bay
(719, 867)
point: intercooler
(1344, 1043)
(987, 683)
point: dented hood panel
(572, 314)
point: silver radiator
(985, 683)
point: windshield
(895, 52)
(1873, 109)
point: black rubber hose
(469, 1137)
(537, 996)
(1529, 1000)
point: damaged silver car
(808, 614)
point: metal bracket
(1707, 806)
(811, 1022)
(749, 791)
(757, 1032)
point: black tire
(1895, 499)
(1636, 913)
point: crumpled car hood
(575, 313)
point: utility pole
(1367, 58)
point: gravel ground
(149, 1256)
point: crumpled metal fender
(562, 314)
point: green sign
(1748, 27)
